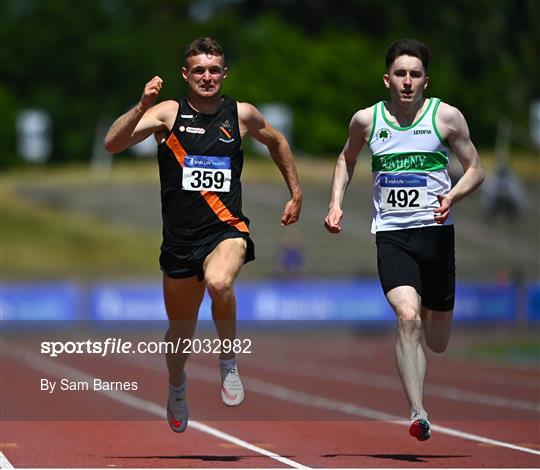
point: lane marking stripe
(35, 360)
(281, 393)
(4, 462)
(46, 365)
(325, 403)
(387, 382)
(306, 399)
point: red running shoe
(420, 429)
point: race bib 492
(203, 173)
(401, 191)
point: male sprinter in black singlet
(205, 234)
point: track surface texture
(313, 399)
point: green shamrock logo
(384, 134)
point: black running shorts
(186, 261)
(423, 258)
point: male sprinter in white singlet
(410, 138)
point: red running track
(312, 400)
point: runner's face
(204, 74)
(406, 79)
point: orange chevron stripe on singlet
(222, 212)
(177, 149)
(211, 198)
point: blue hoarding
(39, 301)
(357, 300)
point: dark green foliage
(88, 60)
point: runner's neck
(406, 114)
(203, 105)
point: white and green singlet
(409, 166)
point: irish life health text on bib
(403, 191)
(204, 173)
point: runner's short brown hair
(411, 47)
(203, 45)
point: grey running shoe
(232, 391)
(177, 408)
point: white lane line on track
(52, 367)
(301, 398)
(37, 361)
(387, 382)
(306, 399)
(328, 404)
(4, 462)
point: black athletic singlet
(200, 164)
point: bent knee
(218, 286)
(407, 314)
(437, 347)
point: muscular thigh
(226, 259)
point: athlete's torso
(200, 164)
(409, 166)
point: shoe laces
(415, 415)
(177, 402)
(232, 380)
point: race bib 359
(204, 173)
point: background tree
(87, 61)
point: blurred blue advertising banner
(301, 300)
(484, 301)
(265, 300)
(313, 300)
(127, 301)
(533, 302)
(40, 301)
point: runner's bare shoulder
(448, 119)
(362, 121)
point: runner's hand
(442, 212)
(151, 92)
(332, 223)
(292, 211)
